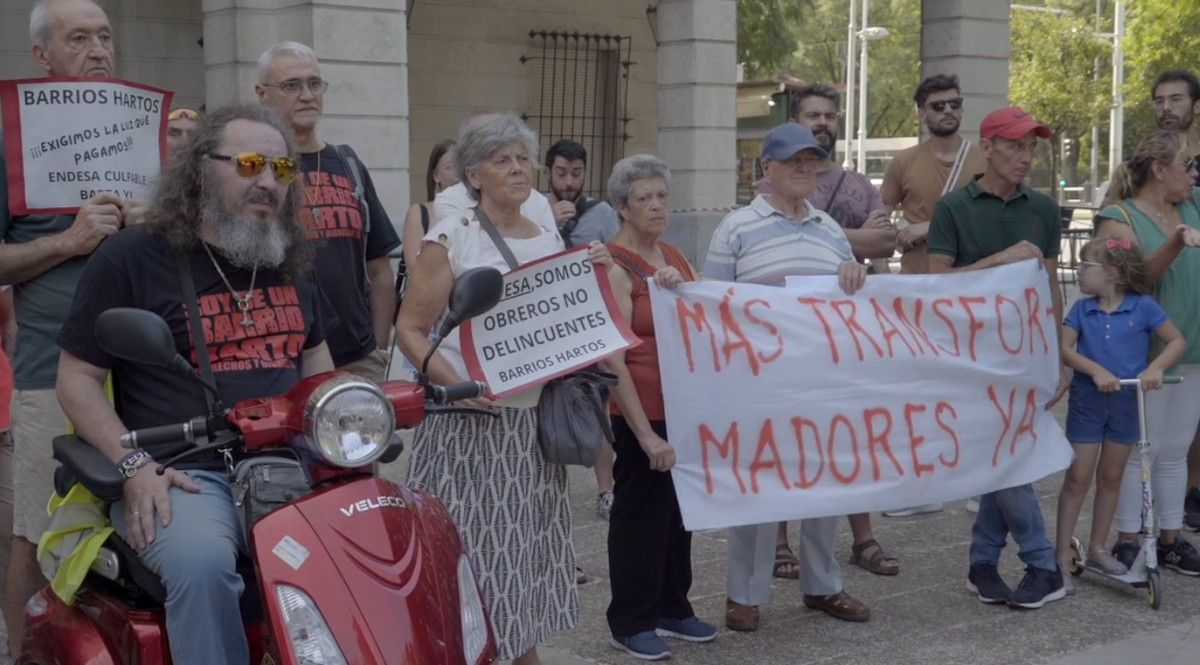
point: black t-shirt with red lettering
(336, 221)
(136, 268)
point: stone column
(363, 49)
(697, 115)
(971, 39)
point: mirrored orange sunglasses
(250, 164)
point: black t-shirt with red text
(136, 268)
(336, 222)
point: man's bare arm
(98, 218)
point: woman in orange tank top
(649, 552)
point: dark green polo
(971, 223)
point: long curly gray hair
(175, 212)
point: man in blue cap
(777, 235)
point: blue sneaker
(645, 645)
(690, 629)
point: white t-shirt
(454, 201)
(469, 246)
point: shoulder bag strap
(424, 217)
(346, 154)
(497, 239)
(956, 170)
(620, 256)
(199, 343)
(836, 190)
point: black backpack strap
(199, 343)
(836, 188)
(424, 217)
(497, 239)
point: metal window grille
(582, 87)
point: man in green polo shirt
(996, 220)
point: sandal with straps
(784, 557)
(878, 563)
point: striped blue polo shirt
(762, 245)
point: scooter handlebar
(1168, 379)
(154, 436)
(457, 391)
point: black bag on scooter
(264, 484)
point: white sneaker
(973, 504)
(914, 510)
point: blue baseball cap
(787, 140)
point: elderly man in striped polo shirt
(777, 235)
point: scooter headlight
(308, 633)
(474, 621)
(349, 421)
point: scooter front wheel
(1076, 558)
(1154, 588)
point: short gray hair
(482, 135)
(630, 170)
(39, 25)
(282, 48)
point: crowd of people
(252, 196)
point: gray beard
(245, 243)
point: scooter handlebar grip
(457, 391)
(1171, 378)
(154, 436)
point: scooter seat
(83, 463)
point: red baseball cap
(1011, 123)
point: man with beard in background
(918, 176)
(226, 207)
(1176, 100)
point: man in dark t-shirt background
(352, 231)
(264, 325)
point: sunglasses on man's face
(250, 164)
(955, 105)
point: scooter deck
(1134, 578)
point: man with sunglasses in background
(42, 256)
(352, 231)
(225, 211)
(181, 127)
(918, 176)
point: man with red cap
(996, 220)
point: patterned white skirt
(513, 515)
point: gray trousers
(752, 560)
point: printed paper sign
(66, 140)
(800, 401)
(556, 316)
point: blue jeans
(196, 557)
(1013, 510)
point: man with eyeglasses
(42, 256)
(226, 209)
(996, 220)
(352, 231)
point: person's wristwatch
(131, 463)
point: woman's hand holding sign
(599, 254)
(668, 277)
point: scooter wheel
(1076, 558)
(1154, 588)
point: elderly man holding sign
(510, 503)
(42, 256)
(993, 221)
(778, 235)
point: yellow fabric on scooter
(79, 525)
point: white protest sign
(66, 140)
(800, 401)
(557, 315)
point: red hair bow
(1114, 243)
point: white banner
(800, 401)
(69, 139)
(556, 316)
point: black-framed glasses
(250, 164)
(954, 104)
(315, 84)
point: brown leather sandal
(840, 605)
(878, 563)
(784, 557)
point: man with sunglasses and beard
(352, 232)
(226, 208)
(917, 177)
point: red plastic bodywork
(381, 565)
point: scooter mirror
(475, 292)
(138, 336)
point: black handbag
(573, 409)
